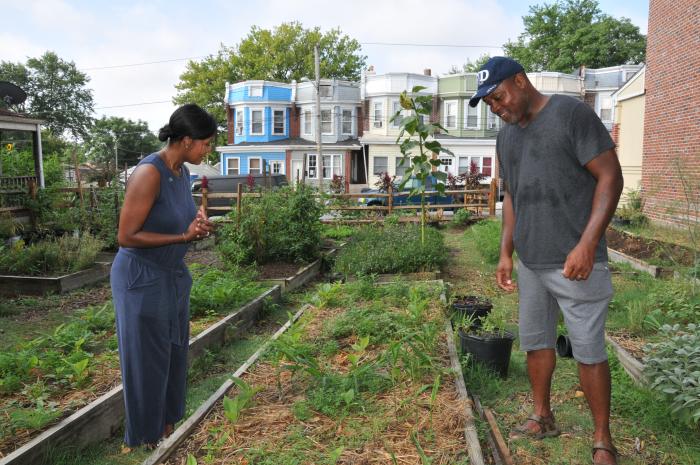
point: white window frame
(330, 112)
(314, 157)
(445, 167)
(274, 163)
(239, 122)
(479, 159)
(374, 165)
(491, 119)
(262, 122)
(450, 104)
(259, 169)
(476, 109)
(335, 166)
(325, 90)
(228, 167)
(308, 120)
(608, 99)
(343, 121)
(395, 106)
(378, 114)
(284, 122)
(400, 171)
(255, 90)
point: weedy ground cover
(361, 378)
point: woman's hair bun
(165, 133)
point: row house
(599, 86)
(271, 127)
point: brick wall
(671, 154)
(615, 134)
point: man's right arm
(504, 271)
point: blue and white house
(259, 120)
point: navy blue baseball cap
(491, 74)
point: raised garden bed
(11, 286)
(102, 417)
(657, 253)
(343, 387)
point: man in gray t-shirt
(562, 184)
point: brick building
(671, 153)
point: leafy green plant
(218, 291)
(417, 150)
(64, 254)
(234, 406)
(280, 225)
(392, 249)
(673, 368)
(461, 217)
(487, 235)
(632, 210)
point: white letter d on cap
(482, 75)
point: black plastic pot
(472, 306)
(490, 350)
(564, 349)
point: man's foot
(169, 428)
(536, 427)
(604, 454)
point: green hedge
(65, 254)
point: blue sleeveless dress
(151, 293)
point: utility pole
(116, 158)
(319, 148)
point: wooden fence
(480, 201)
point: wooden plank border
(632, 366)
(38, 285)
(170, 444)
(635, 263)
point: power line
(134, 104)
(399, 44)
(127, 65)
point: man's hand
(579, 263)
(504, 274)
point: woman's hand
(200, 227)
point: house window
(396, 107)
(256, 122)
(311, 165)
(232, 166)
(331, 164)
(401, 170)
(255, 91)
(472, 115)
(347, 122)
(307, 122)
(239, 122)
(378, 118)
(381, 165)
(255, 166)
(446, 164)
(605, 108)
(450, 115)
(325, 90)
(483, 164)
(277, 167)
(278, 122)
(326, 122)
(490, 119)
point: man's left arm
(606, 169)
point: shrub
(65, 254)
(392, 249)
(673, 367)
(461, 217)
(632, 210)
(282, 225)
(487, 236)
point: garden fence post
(492, 197)
(465, 196)
(31, 185)
(77, 178)
(239, 194)
(391, 198)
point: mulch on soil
(646, 249)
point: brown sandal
(548, 429)
(600, 445)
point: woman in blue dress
(150, 282)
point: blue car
(433, 198)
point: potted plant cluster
(471, 306)
(486, 342)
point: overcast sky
(98, 34)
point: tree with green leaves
(283, 54)
(418, 146)
(566, 34)
(56, 90)
(132, 140)
(470, 66)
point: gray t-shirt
(542, 165)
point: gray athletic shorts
(584, 305)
